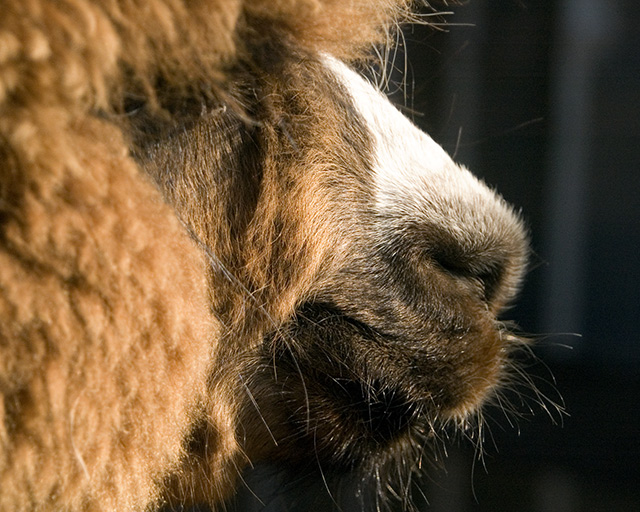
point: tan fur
(101, 374)
(107, 343)
(299, 229)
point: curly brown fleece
(106, 334)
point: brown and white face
(358, 269)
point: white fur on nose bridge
(414, 176)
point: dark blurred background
(541, 98)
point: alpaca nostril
(490, 280)
(485, 276)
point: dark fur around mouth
(352, 396)
(334, 405)
(356, 395)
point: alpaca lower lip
(344, 417)
(383, 413)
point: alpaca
(219, 244)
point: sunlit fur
(220, 245)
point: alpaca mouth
(345, 420)
(379, 412)
(355, 395)
(336, 403)
(339, 385)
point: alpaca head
(358, 270)
(221, 245)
